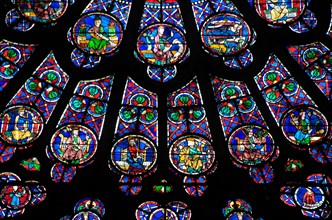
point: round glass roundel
(88, 204)
(225, 34)
(304, 126)
(20, 125)
(86, 215)
(192, 155)
(240, 215)
(280, 12)
(161, 44)
(15, 197)
(311, 197)
(251, 145)
(134, 155)
(97, 33)
(74, 144)
(42, 11)
(163, 213)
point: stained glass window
(165, 109)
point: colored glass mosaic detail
(20, 125)
(89, 104)
(163, 187)
(309, 196)
(191, 155)
(31, 164)
(42, 11)
(74, 144)
(87, 208)
(315, 59)
(280, 12)
(134, 148)
(44, 88)
(97, 33)
(13, 56)
(134, 155)
(225, 34)
(293, 165)
(251, 145)
(280, 91)
(161, 44)
(173, 210)
(238, 209)
(304, 126)
(16, 195)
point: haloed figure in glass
(75, 147)
(16, 195)
(279, 11)
(134, 156)
(22, 120)
(304, 127)
(100, 38)
(44, 9)
(252, 145)
(21, 132)
(191, 155)
(162, 46)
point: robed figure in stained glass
(99, 37)
(162, 46)
(278, 11)
(74, 146)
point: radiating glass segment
(31, 107)
(190, 145)
(249, 142)
(75, 142)
(302, 124)
(13, 56)
(134, 151)
(315, 58)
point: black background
(228, 182)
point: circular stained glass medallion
(239, 215)
(86, 215)
(192, 155)
(309, 197)
(20, 125)
(161, 44)
(251, 145)
(304, 125)
(134, 154)
(88, 204)
(279, 12)
(225, 34)
(11, 53)
(97, 33)
(163, 213)
(15, 197)
(42, 11)
(74, 144)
